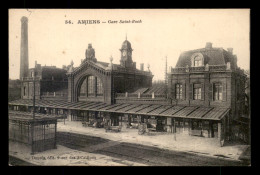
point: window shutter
(183, 91)
(224, 91)
(173, 91)
(191, 91)
(202, 91)
(210, 92)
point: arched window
(197, 61)
(83, 88)
(99, 87)
(91, 85)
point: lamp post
(33, 95)
(112, 81)
(32, 125)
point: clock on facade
(124, 53)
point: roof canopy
(189, 112)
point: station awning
(189, 112)
(28, 116)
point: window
(83, 88)
(197, 61)
(178, 91)
(99, 87)
(24, 90)
(217, 88)
(197, 92)
(91, 84)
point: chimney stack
(142, 66)
(230, 50)
(209, 45)
(24, 61)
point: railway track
(142, 154)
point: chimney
(142, 66)
(230, 50)
(134, 65)
(209, 45)
(235, 61)
(24, 61)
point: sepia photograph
(129, 87)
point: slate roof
(212, 56)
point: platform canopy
(189, 112)
(28, 117)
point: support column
(221, 141)
(169, 124)
(129, 119)
(190, 126)
(55, 136)
(209, 130)
(32, 139)
(69, 115)
(87, 116)
(174, 129)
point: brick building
(99, 81)
(202, 96)
(209, 77)
(50, 82)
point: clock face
(124, 53)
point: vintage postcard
(129, 87)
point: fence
(40, 136)
(133, 95)
(53, 94)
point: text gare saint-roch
(99, 22)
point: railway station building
(203, 94)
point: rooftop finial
(111, 59)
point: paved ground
(147, 155)
(183, 142)
(81, 146)
(20, 154)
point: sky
(161, 33)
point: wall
(206, 79)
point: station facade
(202, 95)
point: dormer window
(197, 60)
